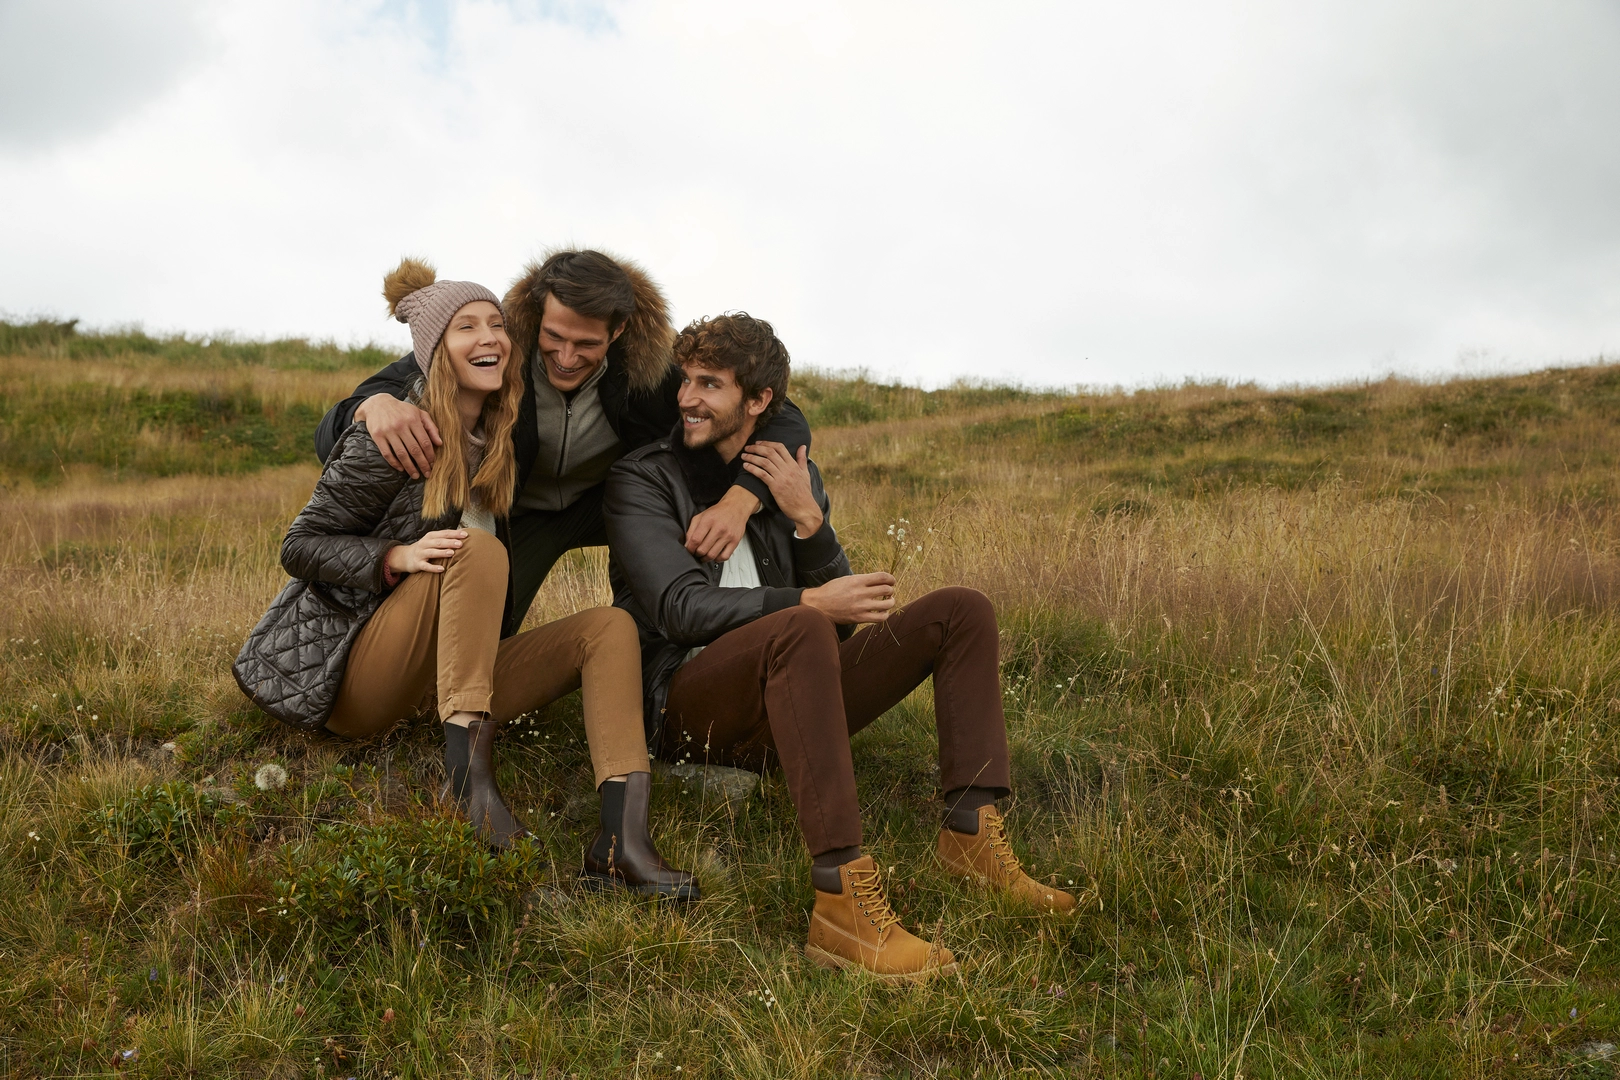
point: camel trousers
(441, 633)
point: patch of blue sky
(433, 20)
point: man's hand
(422, 556)
(788, 477)
(859, 598)
(715, 533)
(405, 434)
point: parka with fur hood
(638, 390)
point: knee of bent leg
(802, 627)
(969, 604)
(609, 627)
(484, 549)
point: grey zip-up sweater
(577, 444)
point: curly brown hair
(739, 343)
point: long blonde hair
(449, 488)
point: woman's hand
(425, 553)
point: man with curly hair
(756, 659)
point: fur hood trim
(645, 348)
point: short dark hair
(746, 346)
(591, 283)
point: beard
(721, 427)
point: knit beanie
(425, 304)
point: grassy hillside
(1312, 694)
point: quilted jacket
(292, 664)
(362, 506)
(676, 597)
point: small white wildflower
(270, 778)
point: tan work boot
(987, 857)
(856, 928)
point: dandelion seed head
(270, 777)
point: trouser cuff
(619, 767)
(474, 701)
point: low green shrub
(347, 878)
(169, 819)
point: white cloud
(1057, 193)
(76, 66)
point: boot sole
(607, 883)
(832, 961)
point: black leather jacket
(676, 597)
(637, 418)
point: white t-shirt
(739, 572)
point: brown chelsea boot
(623, 856)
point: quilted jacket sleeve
(330, 539)
(668, 583)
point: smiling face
(571, 345)
(477, 346)
(714, 411)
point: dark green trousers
(539, 539)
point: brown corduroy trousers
(784, 686)
(442, 632)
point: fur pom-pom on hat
(404, 279)
(417, 298)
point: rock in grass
(1597, 1051)
(734, 785)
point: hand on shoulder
(405, 435)
(788, 477)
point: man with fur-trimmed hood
(594, 334)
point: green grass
(1312, 694)
(46, 434)
(47, 339)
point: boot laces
(867, 887)
(1000, 846)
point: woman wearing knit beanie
(410, 585)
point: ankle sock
(824, 868)
(962, 808)
(612, 819)
(455, 760)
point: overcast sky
(1097, 193)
